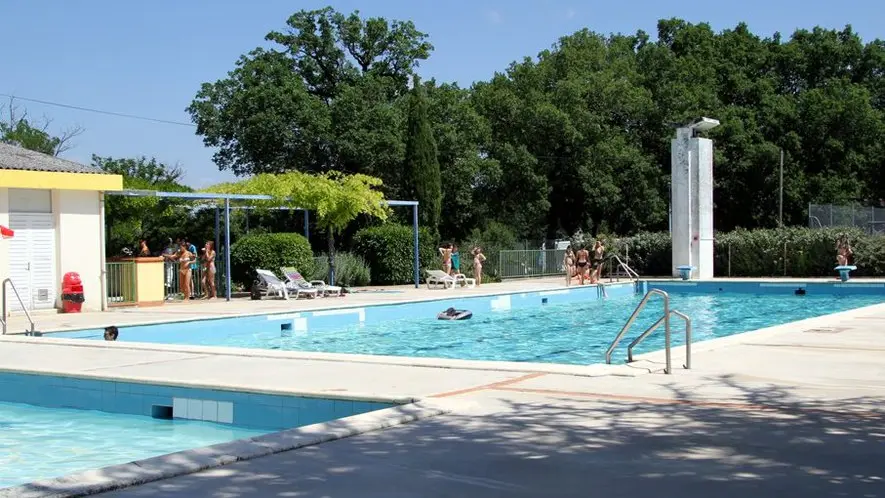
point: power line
(99, 111)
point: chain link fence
(870, 219)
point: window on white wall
(30, 201)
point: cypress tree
(421, 165)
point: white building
(55, 208)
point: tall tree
(421, 164)
(17, 128)
(320, 100)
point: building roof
(13, 157)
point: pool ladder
(665, 320)
(3, 316)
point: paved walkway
(795, 410)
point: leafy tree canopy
(576, 138)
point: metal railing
(665, 319)
(530, 263)
(121, 282)
(654, 327)
(614, 272)
(20, 302)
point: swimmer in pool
(111, 333)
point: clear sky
(149, 58)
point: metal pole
(307, 225)
(781, 202)
(227, 249)
(729, 259)
(669, 367)
(217, 228)
(415, 247)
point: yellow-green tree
(336, 199)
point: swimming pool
(40, 443)
(54, 425)
(570, 326)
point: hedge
(269, 251)
(388, 251)
(792, 252)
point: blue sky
(149, 58)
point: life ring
(453, 314)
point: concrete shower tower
(691, 199)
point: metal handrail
(631, 274)
(20, 301)
(657, 324)
(626, 327)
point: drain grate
(826, 330)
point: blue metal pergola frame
(227, 198)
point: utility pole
(781, 199)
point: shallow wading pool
(52, 426)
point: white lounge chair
(297, 281)
(439, 277)
(275, 285)
(462, 280)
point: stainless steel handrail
(631, 273)
(22, 303)
(626, 327)
(654, 327)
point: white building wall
(4, 246)
(79, 245)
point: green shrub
(350, 270)
(791, 252)
(269, 251)
(388, 251)
(648, 253)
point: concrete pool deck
(797, 409)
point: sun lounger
(275, 285)
(297, 281)
(462, 280)
(439, 277)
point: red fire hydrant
(72, 293)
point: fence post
(729, 259)
(785, 259)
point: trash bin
(72, 293)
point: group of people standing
(451, 260)
(584, 264)
(189, 260)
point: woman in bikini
(446, 253)
(478, 258)
(209, 270)
(184, 258)
(598, 258)
(568, 264)
(583, 257)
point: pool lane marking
(493, 385)
(688, 402)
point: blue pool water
(576, 332)
(37, 443)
